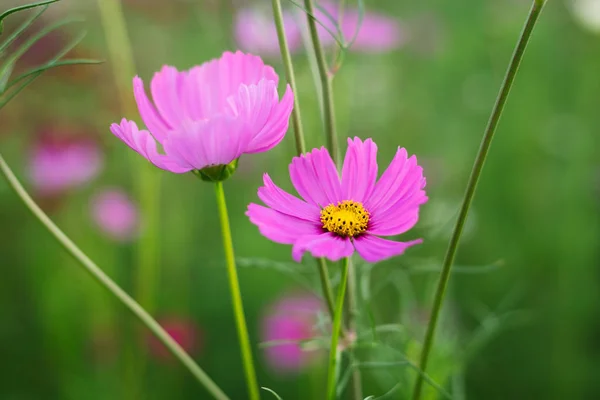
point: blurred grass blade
(22, 8)
(50, 66)
(21, 29)
(39, 35)
(32, 75)
(104, 280)
(272, 392)
(5, 76)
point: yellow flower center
(348, 218)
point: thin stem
(236, 296)
(335, 333)
(103, 279)
(352, 310)
(326, 285)
(327, 90)
(471, 186)
(289, 74)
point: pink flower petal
(391, 178)
(326, 244)
(272, 130)
(216, 141)
(374, 249)
(143, 143)
(154, 122)
(394, 205)
(209, 86)
(278, 227)
(166, 87)
(315, 178)
(285, 203)
(359, 172)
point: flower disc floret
(347, 219)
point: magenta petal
(143, 143)
(216, 141)
(279, 227)
(315, 178)
(359, 172)
(374, 249)
(389, 182)
(285, 203)
(209, 86)
(272, 131)
(399, 218)
(166, 86)
(154, 122)
(326, 245)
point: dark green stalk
(471, 186)
(289, 74)
(327, 90)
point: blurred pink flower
(292, 318)
(183, 330)
(58, 164)
(209, 115)
(339, 215)
(377, 33)
(255, 32)
(115, 214)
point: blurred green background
(521, 317)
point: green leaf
(39, 35)
(46, 67)
(21, 29)
(272, 392)
(22, 8)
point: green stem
(103, 279)
(236, 296)
(335, 333)
(326, 285)
(327, 92)
(352, 310)
(471, 186)
(289, 74)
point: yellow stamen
(348, 218)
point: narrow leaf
(22, 8)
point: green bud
(217, 173)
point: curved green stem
(103, 279)
(236, 296)
(289, 74)
(327, 90)
(335, 333)
(471, 186)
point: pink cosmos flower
(255, 32)
(58, 164)
(377, 33)
(292, 319)
(183, 330)
(209, 115)
(115, 214)
(338, 216)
